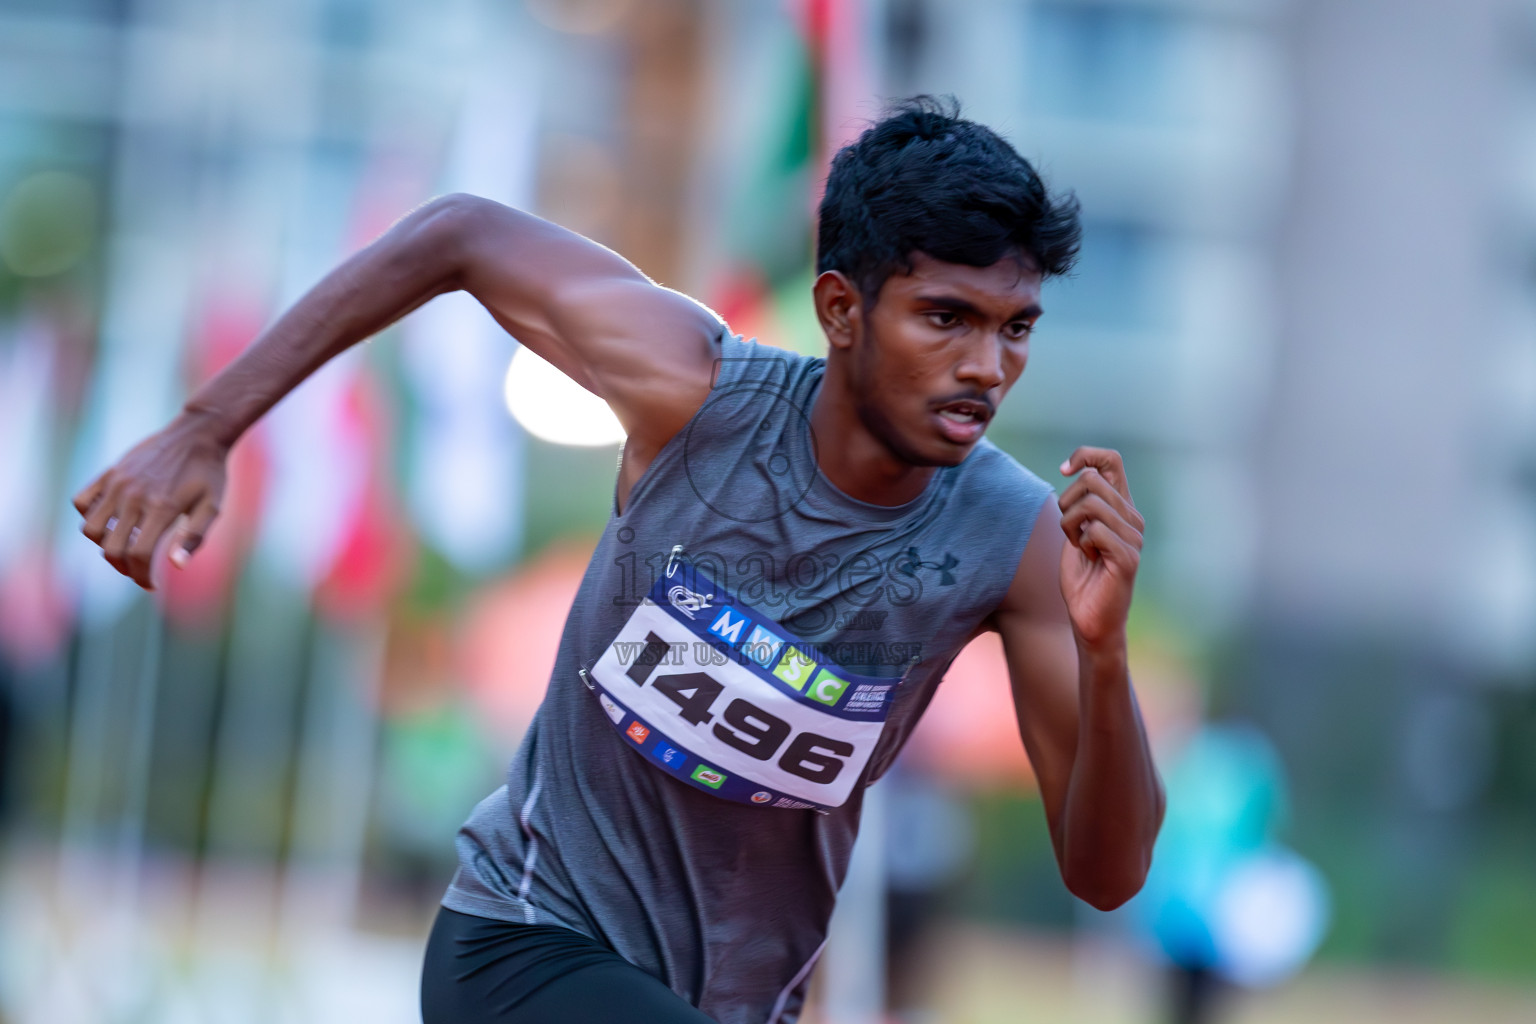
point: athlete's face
(932, 359)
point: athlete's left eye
(1020, 329)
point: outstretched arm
(1063, 630)
(643, 348)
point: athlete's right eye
(942, 318)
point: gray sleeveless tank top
(601, 830)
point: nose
(982, 365)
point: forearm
(411, 263)
(1114, 802)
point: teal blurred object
(435, 766)
(1223, 895)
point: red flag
(371, 559)
(197, 594)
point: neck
(850, 455)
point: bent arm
(642, 348)
(1081, 726)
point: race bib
(726, 699)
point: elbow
(1105, 888)
(453, 206)
(442, 233)
(1107, 897)
(1106, 871)
(456, 217)
(449, 218)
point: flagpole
(855, 981)
(129, 987)
(855, 975)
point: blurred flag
(817, 81)
(842, 56)
(135, 385)
(509, 637)
(767, 224)
(33, 615)
(318, 459)
(969, 734)
(372, 550)
(198, 594)
(465, 480)
(328, 524)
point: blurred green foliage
(1015, 879)
(570, 493)
(48, 223)
(1493, 931)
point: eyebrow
(956, 305)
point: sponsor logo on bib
(708, 776)
(687, 601)
(761, 797)
(728, 625)
(762, 646)
(637, 732)
(827, 687)
(796, 668)
(668, 755)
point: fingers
(129, 528)
(118, 533)
(1094, 509)
(1101, 494)
(1100, 542)
(1097, 513)
(1092, 482)
(190, 535)
(142, 543)
(131, 510)
(1106, 460)
(100, 510)
(88, 495)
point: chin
(925, 449)
(953, 455)
(934, 452)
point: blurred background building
(1306, 311)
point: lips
(963, 421)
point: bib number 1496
(743, 725)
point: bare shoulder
(1034, 596)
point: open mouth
(966, 412)
(963, 415)
(963, 421)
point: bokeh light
(47, 223)
(554, 408)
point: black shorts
(478, 971)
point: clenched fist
(1103, 550)
(172, 479)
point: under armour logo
(914, 562)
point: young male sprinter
(798, 548)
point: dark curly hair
(924, 179)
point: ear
(839, 307)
